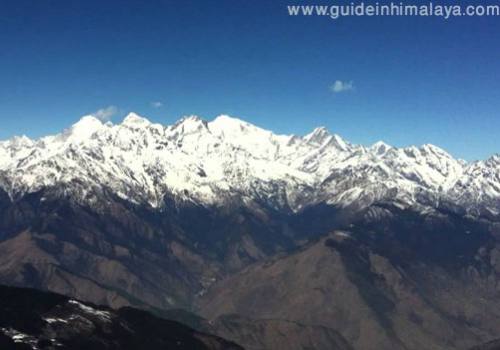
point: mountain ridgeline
(275, 241)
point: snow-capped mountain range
(225, 159)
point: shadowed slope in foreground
(32, 319)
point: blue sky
(414, 80)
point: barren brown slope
(121, 254)
(345, 285)
(277, 334)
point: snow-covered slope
(227, 158)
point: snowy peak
(237, 134)
(226, 125)
(493, 160)
(321, 137)
(225, 119)
(190, 125)
(20, 141)
(340, 143)
(429, 149)
(318, 136)
(85, 128)
(135, 120)
(380, 148)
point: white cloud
(156, 104)
(105, 114)
(341, 86)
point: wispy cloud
(156, 104)
(341, 86)
(105, 114)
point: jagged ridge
(211, 162)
